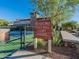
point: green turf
(12, 45)
(2, 55)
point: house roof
(26, 21)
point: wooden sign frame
(42, 29)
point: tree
(3, 22)
(59, 11)
(69, 25)
(77, 25)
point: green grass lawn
(12, 45)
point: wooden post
(35, 43)
(33, 18)
(49, 46)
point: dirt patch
(63, 53)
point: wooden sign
(42, 29)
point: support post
(21, 39)
(35, 43)
(49, 46)
(24, 33)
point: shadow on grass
(13, 40)
(7, 51)
(28, 43)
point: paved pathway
(27, 55)
(68, 37)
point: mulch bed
(59, 52)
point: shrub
(41, 43)
(56, 38)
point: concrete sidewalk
(68, 37)
(27, 55)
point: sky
(15, 9)
(19, 9)
(75, 17)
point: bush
(56, 41)
(56, 38)
(41, 43)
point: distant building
(28, 23)
(34, 16)
(22, 22)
